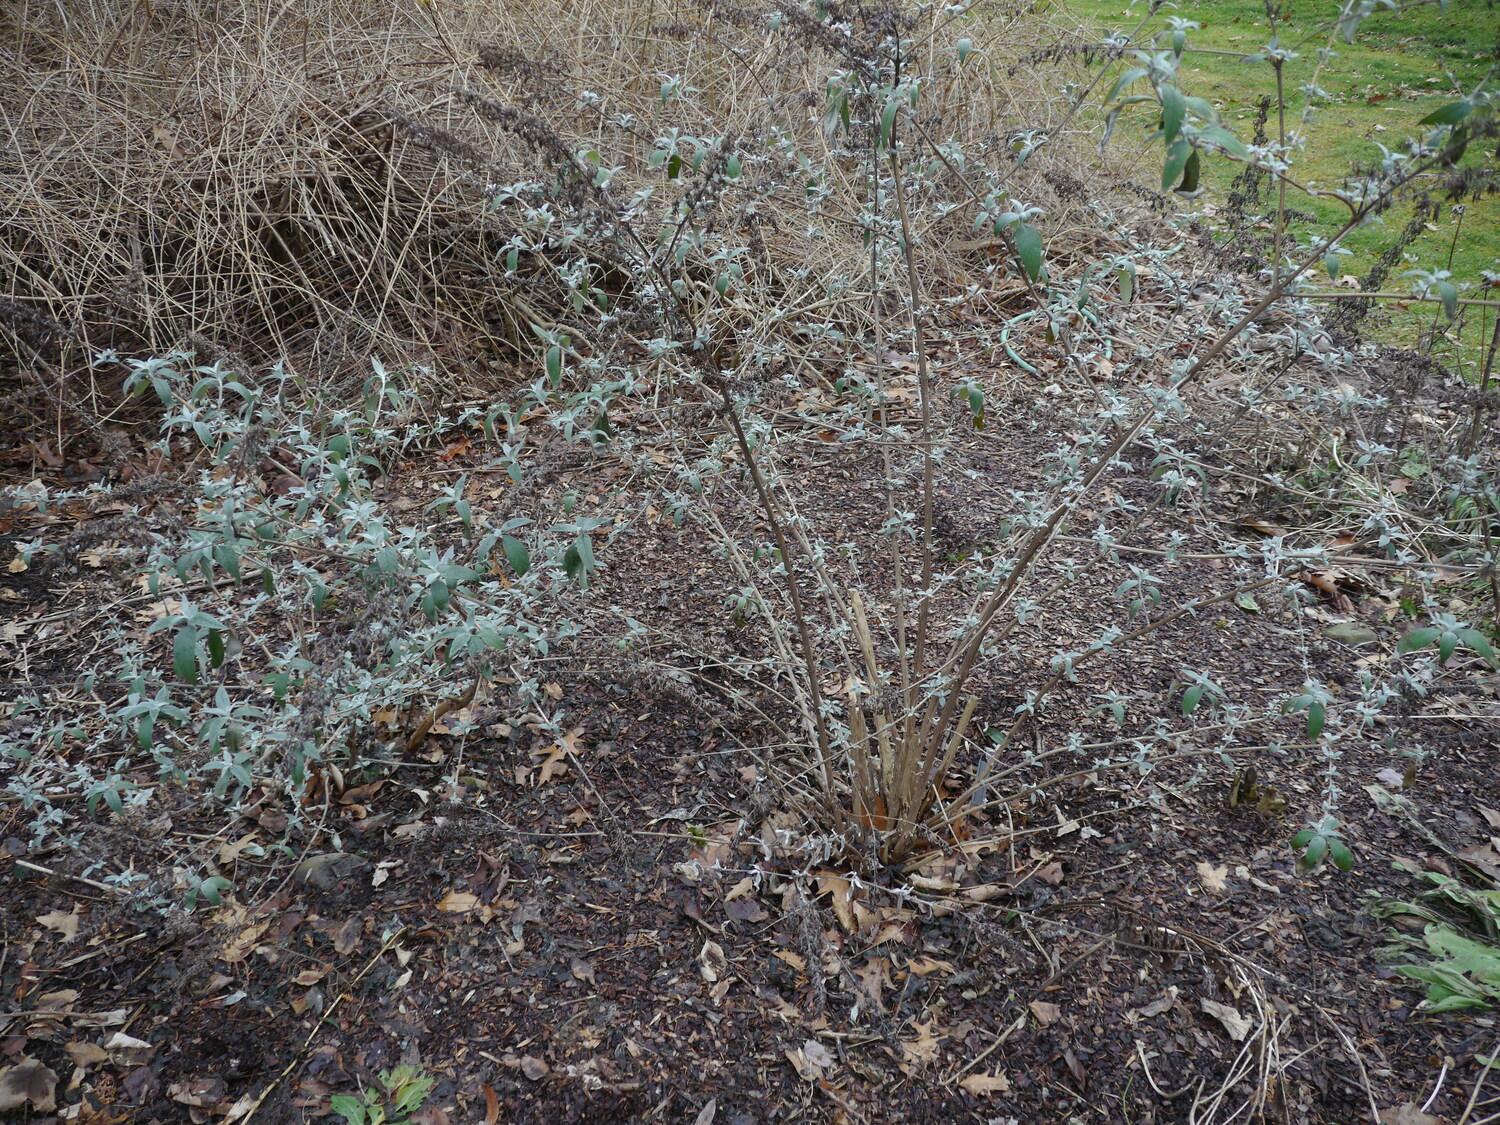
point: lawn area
(1401, 67)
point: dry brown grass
(227, 173)
(235, 176)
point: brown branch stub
(424, 728)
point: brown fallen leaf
(113, 1018)
(85, 1055)
(141, 1085)
(59, 1001)
(237, 948)
(329, 869)
(127, 1051)
(1213, 877)
(938, 884)
(875, 977)
(810, 1060)
(1157, 1006)
(985, 892)
(28, 1081)
(201, 1093)
(1075, 1068)
(1408, 1113)
(60, 923)
(842, 895)
(1325, 581)
(1051, 874)
(1486, 857)
(924, 1048)
(1046, 1014)
(168, 140)
(1234, 1023)
(740, 889)
(346, 940)
(361, 794)
(458, 902)
(818, 1055)
(795, 960)
(1263, 527)
(802, 1064)
(712, 962)
(534, 1068)
(982, 1085)
(926, 966)
(550, 763)
(230, 851)
(1391, 779)
(747, 910)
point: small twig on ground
(37, 867)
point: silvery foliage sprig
(190, 695)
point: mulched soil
(627, 925)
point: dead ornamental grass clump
(242, 178)
(227, 172)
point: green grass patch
(1401, 67)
